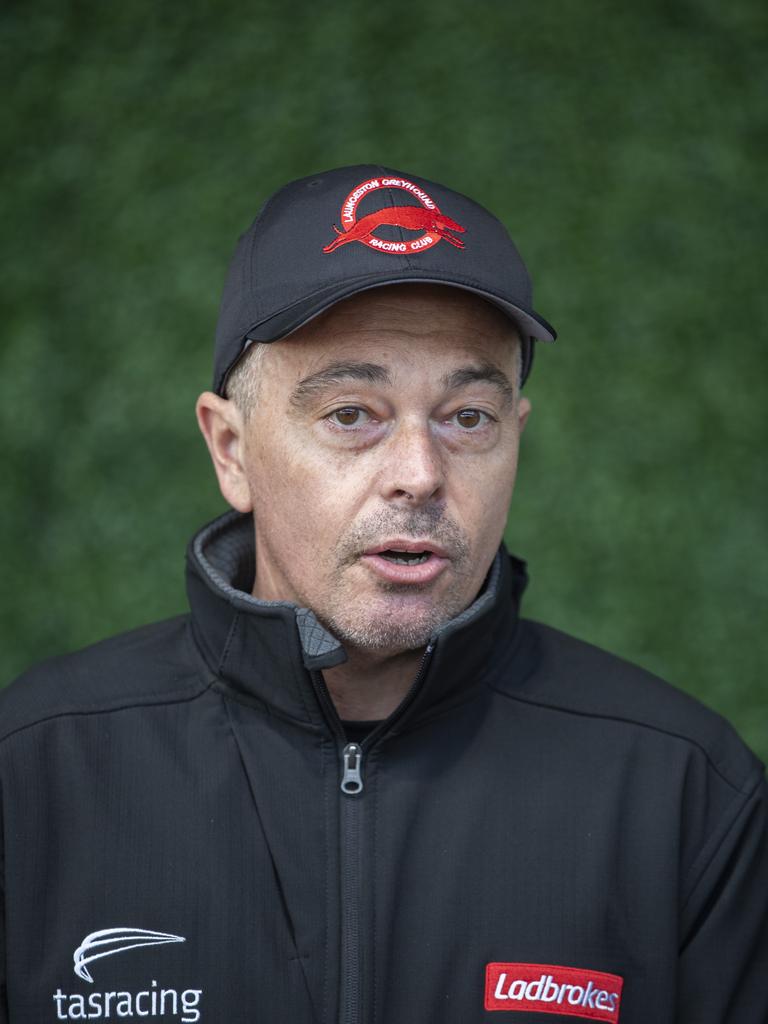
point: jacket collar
(268, 651)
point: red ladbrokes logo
(425, 218)
(544, 988)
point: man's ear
(221, 424)
(523, 412)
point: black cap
(323, 238)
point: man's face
(380, 459)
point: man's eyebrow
(484, 372)
(337, 373)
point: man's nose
(414, 472)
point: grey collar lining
(224, 550)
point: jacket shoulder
(149, 665)
(576, 677)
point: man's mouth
(406, 557)
(406, 561)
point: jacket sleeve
(3, 990)
(723, 968)
(3, 986)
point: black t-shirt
(357, 731)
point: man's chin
(390, 627)
(390, 618)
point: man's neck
(369, 686)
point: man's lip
(400, 544)
(402, 573)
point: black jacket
(539, 827)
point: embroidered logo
(109, 941)
(153, 1000)
(544, 988)
(425, 218)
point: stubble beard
(391, 621)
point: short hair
(244, 380)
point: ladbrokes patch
(546, 988)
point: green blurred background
(623, 144)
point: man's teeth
(406, 557)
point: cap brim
(287, 320)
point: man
(354, 784)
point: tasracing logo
(153, 1000)
(425, 218)
(544, 988)
(109, 941)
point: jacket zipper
(351, 885)
(352, 786)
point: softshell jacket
(539, 832)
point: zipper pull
(352, 759)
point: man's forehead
(452, 374)
(397, 326)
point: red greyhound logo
(426, 218)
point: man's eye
(350, 416)
(469, 419)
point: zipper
(350, 968)
(351, 850)
(352, 769)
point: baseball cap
(324, 238)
